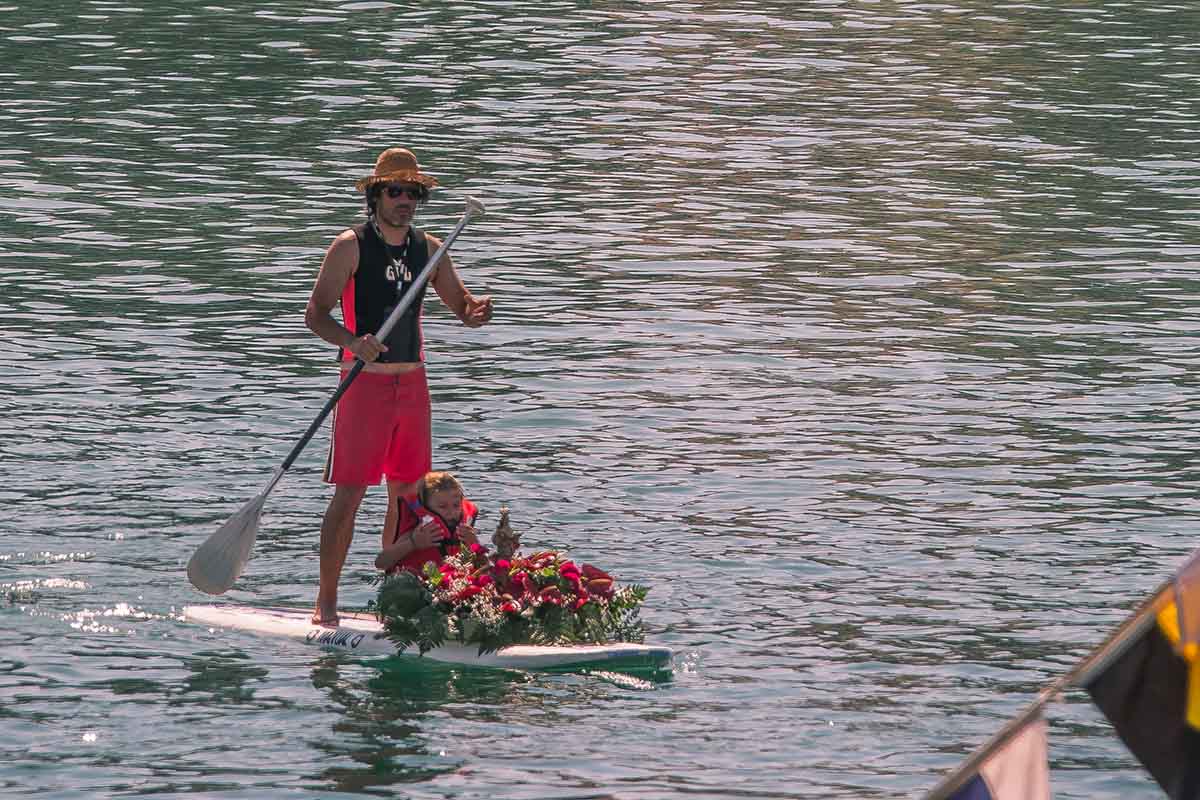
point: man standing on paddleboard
(381, 425)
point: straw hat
(396, 164)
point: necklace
(397, 269)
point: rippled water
(865, 332)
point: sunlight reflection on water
(874, 325)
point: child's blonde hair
(433, 482)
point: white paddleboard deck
(362, 633)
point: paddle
(218, 562)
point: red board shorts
(381, 427)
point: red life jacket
(409, 519)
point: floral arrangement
(475, 597)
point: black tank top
(375, 288)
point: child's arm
(392, 555)
(466, 530)
(407, 543)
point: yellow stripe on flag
(1168, 623)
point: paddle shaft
(381, 334)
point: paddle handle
(474, 207)
(316, 423)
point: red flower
(567, 569)
(580, 601)
(601, 586)
(551, 594)
(468, 592)
(483, 580)
(519, 584)
(509, 608)
(592, 573)
(503, 564)
(476, 548)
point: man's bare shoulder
(344, 238)
(344, 245)
(342, 256)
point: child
(430, 526)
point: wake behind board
(362, 634)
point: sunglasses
(415, 192)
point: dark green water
(864, 332)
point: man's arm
(341, 260)
(473, 311)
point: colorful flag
(1151, 691)
(1017, 770)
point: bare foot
(330, 621)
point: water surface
(865, 333)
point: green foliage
(404, 606)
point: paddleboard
(363, 634)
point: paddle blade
(218, 562)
